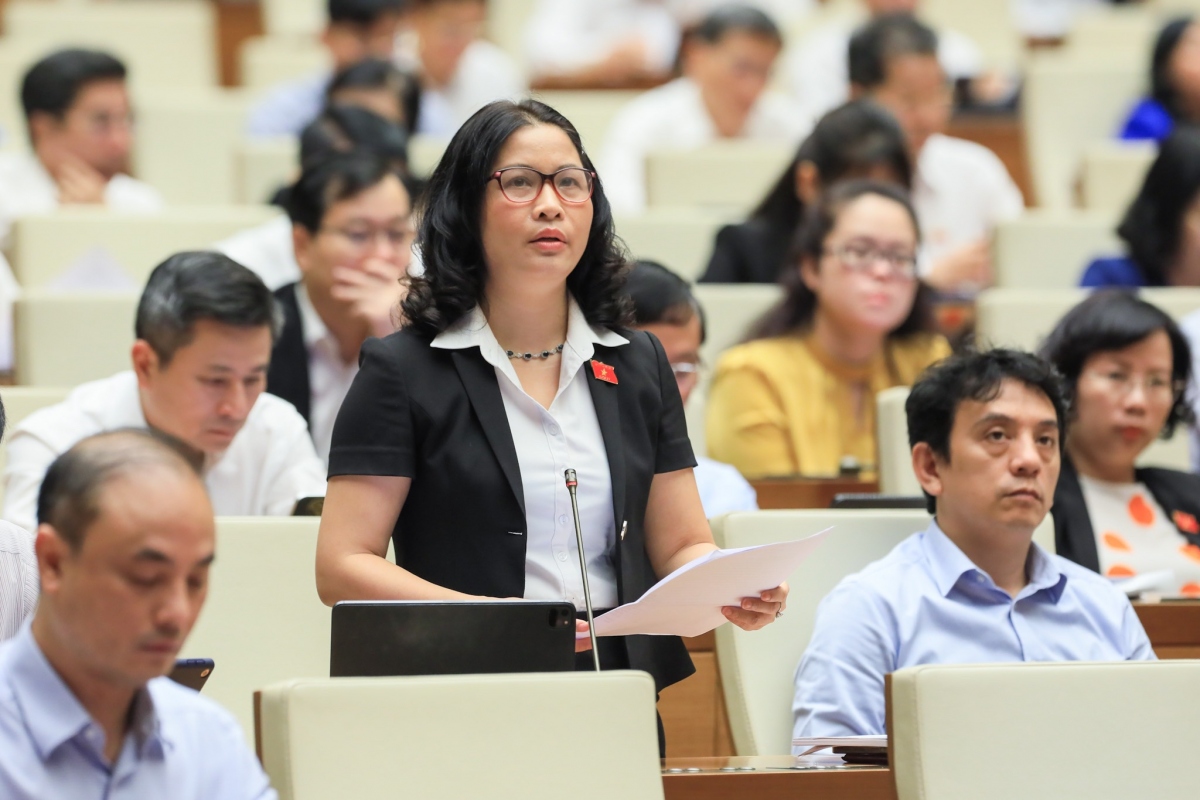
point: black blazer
(437, 417)
(287, 376)
(1177, 492)
(752, 252)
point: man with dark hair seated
(205, 328)
(353, 241)
(81, 132)
(125, 541)
(986, 431)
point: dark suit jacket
(748, 253)
(287, 377)
(1177, 492)
(437, 417)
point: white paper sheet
(814, 743)
(688, 601)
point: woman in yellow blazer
(798, 398)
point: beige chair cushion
(1113, 173)
(680, 239)
(729, 176)
(19, 403)
(1045, 731)
(1050, 249)
(895, 456)
(266, 61)
(520, 737)
(263, 621)
(64, 339)
(758, 669)
(590, 111)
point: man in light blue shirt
(124, 544)
(986, 433)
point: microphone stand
(573, 482)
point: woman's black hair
(846, 143)
(1153, 225)
(1162, 84)
(1113, 319)
(450, 239)
(795, 312)
(661, 297)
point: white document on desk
(688, 601)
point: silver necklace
(530, 356)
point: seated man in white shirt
(352, 235)
(356, 29)
(727, 62)
(986, 431)
(460, 72)
(205, 327)
(663, 304)
(961, 189)
(80, 128)
(18, 572)
(815, 66)
(125, 542)
(267, 248)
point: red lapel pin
(604, 372)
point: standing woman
(514, 365)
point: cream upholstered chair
(424, 153)
(895, 456)
(988, 23)
(1066, 103)
(47, 246)
(1113, 173)
(758, 670)
(64, 339)
(1050, 248)
(536, 736)
(730, 176)
(186, 143)
(266, 61)
(293, 17)
(1123, 35)
(162, 44)
(590, 111)
(19, 403)
(680, 238)
(13, 64)
(263, 621)
(263, 165)
(1044, 731)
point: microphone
(572, 483)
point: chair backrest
(990, 731)
(1050, 248)
(895, 456)
(730, 176)
(13, 64)
(19, 403)
(263, 165)
(162, 44)
(758, 670)
(62, 245)
(1122, 34)
(682, 239)
(519, 737)
(266, 61)
(424, 153)
(506, 24)
(591, 111)
(64, 339)
(263, 621)
(988, 23)
(1113, 173)
(205, 125)
(1066, 103)
(293, 17)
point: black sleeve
(725, 265)
(374, 433)
(674, 447)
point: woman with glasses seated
(515, 365)
(798, 398)
(1127, 368)
(663, 304)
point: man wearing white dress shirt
(961, 190)
(727, 62)
(18, 573)
(352, 238)
(815, 67)
(80, 128)
(205, 327)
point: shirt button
(562, 519)
(553, 430)
(562, 556)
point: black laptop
(379, 638)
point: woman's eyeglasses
(523, 185)
(861, 257)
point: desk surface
(771, 778)
(1173, 627)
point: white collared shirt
(549, 441)
(329, 377)
(961, 191)
(266, 250)
(674, 116)
(18, 579)
(267, 467)
(484, 73)
(27, 188)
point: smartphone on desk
(192, 672)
